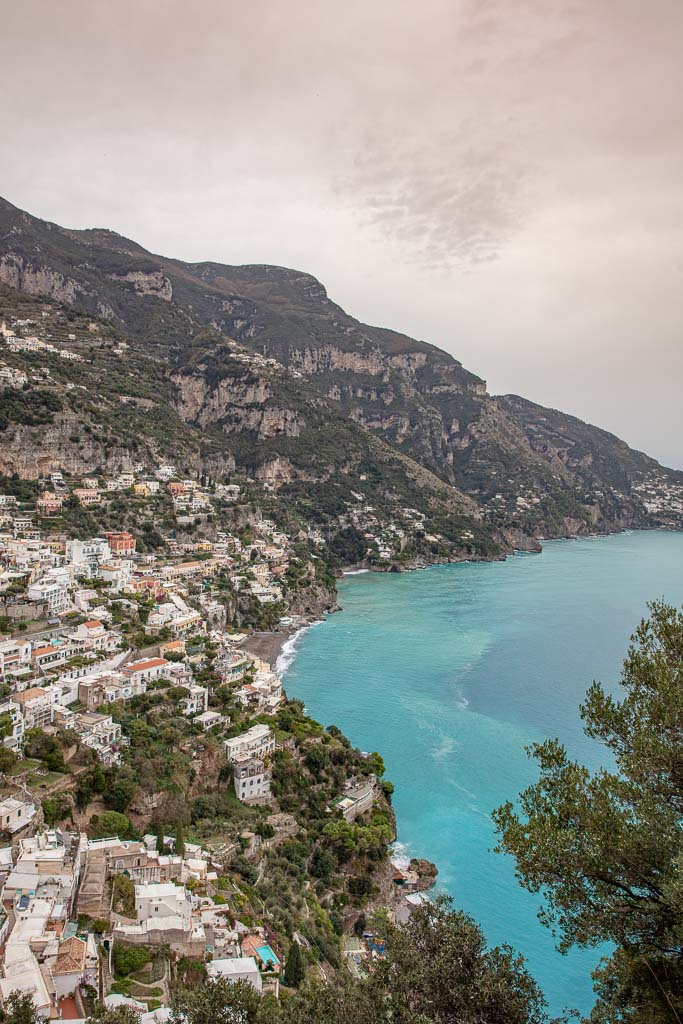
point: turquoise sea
(451, 671)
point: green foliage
(123, 891)
(19, 1009)
(130, 958)
(8, 759)
(111, 823)
(31, 407)
(295, 968)
(114, 1015)
(437, 971)
(219, 1002)
(56, 808)
(44, 748)
(606, 849)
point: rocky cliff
(258, 357)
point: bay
(450, 672)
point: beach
(267, 646)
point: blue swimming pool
(267, 955)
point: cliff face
(222, 332)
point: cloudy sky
(503, 178)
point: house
(197, 700)
(172, 647)
(87, 496)
(232, 667)
(147, 669)
(49, 503)
(15, 658)
(357, 799)
(88, 553)
(15, 815)
(122, 543)
(237, 968)
(209, 719)
(96, 636)
(251, 779)
(69, 969)
(155, 901)
(25, 976)
(48, 657)
(53, 589)
(164, 917)
(37, 706)
(255, 742)
(99, 732)
(14, 723)
(108, 688)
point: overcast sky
(503, 178)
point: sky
(503, 178)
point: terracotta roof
(71, 956)
(50, 649)
(140, 666)
(33, 691)
(92, 624)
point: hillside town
(111, 890)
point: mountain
(270, 377)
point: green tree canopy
(437, 970)
(606, 848)
(295, 968)
(19, 1009)
(219, 1002)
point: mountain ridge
(524, 470)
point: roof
(71, 956)
(92, 624)
(232, 966)
(44, 650)
(141, 666)
(24, 695)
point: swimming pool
(267, 955)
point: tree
(437, 970)
(295, 968)
(606, 849)
(56, 808)
(115, 1015)
(8, 759)
(19, 1009)
(111, 823)
(217, 1002)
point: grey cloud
(502, 177)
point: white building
(15, 814)
(15, 658)
(252, 780)
(197, 700)
(255, 742)
(88, 555)
(237, 968)
(154, 901)
(15, 738)
(53, 589)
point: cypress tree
(295, 968)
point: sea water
(450, 672)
